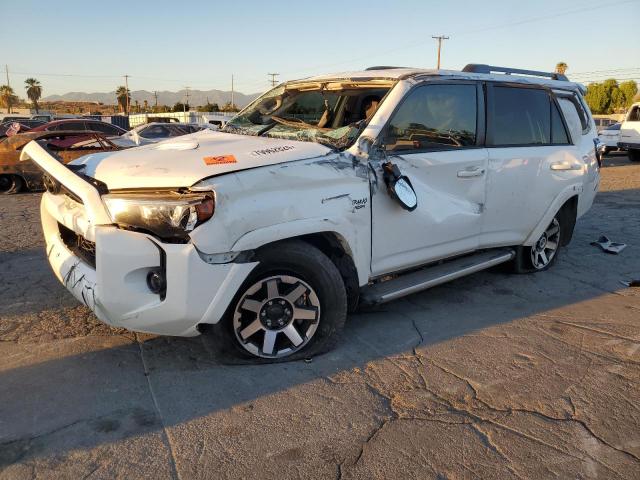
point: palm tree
(124, 98)
(561, 67)
(34, 91)
(7, 97)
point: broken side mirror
(400, 187)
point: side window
(558, 132)
(572, 116)
(634, 114)
(435, 117)
(70, 126)
(103, 128)
(519, 116)
(155, 131)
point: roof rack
(383, 67)
(481, 68)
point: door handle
(471, 172)
(565, 166)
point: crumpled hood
(185, 160)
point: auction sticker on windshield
(220, 159)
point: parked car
(24, 125)
(321, 195)
(16, 175)
(78, 124)
(157, 131)
(630, 133)
(610, 136)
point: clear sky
(87, 46)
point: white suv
(630, 133)
(323, 194)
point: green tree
(561, 67)
(596, 97)
(124, 99)
(209, 107)
(230, 108)
(629, 90)
(7, 97)
(34, 91)
(181, 107)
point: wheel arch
(568, 199)
(338, 250)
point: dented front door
(435, 138)
(450, 187)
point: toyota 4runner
(323, 194)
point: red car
(79, 124)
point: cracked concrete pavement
(491, 376)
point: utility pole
(232, 103)
(126, 85)
(186, 94)
(6, 69)
(273, 80)
(155, 95)
(440, 38)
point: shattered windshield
(332, 113)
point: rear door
(435, 138)
(527, 139)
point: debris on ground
(608, 246)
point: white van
(630, 133)
(323, 194)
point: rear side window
(634, 115)
(558, 131)
(435, 117)
(574, 117)
(103, 128)
(519, 116)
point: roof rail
(382, 67)
(481, 68)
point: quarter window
(435, 117)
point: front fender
(344, 230)
(568, 192)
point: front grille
(79, 245)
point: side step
(431, 276)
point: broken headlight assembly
(170, 216)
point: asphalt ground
(491, 376)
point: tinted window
(634, 115)
(155, 131)
(519, 116)
(104, 128)
(615, 126)
(435, 117)
(558, 132)
(70, 126)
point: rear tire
(634, 155)
(10, 184)
(292, 306)
(544, 253)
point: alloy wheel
(547, 246)
(276, 316)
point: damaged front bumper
(106, 268)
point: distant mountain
(196, 97)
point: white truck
(323, 194)
(630, 133)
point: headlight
(170, 216)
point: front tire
(10, 184)
(292, 306)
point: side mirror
(400, 187)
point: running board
(431, 276)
